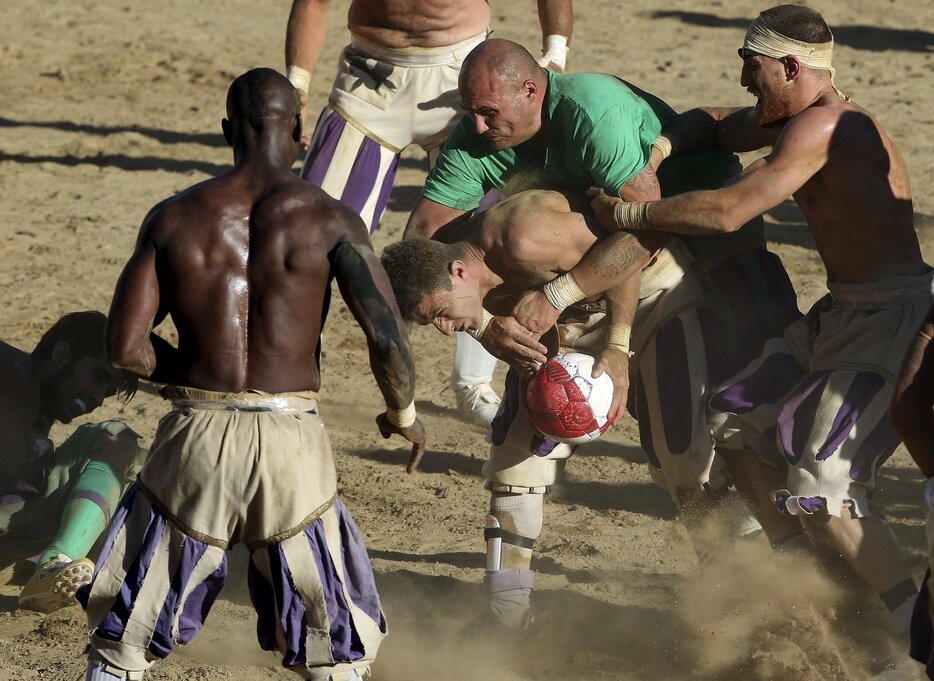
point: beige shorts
(250, 468)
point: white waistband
(417, 56)
(883, 292)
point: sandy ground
(109, 106)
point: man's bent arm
(134, 308)
(800, 152)
(366, 290)
(733, 129)
(913, 403)
(427, 218)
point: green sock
(86, 513)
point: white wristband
(402, 418)
(663, 144)
(617, 338)
(484, 324)
(555, 52)
(563, 291)
(299, 77)
(631, 214)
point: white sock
(472, 363)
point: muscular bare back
(243, 269)
(418, 23)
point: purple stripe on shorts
(263, 598)
(380, 207)
(812, 504)
(162, 641)
(797, 415)
(291, 610)
(874, 450)
(862, 389)
(94, 497)
(345, 643)
(113, 625)
(119, 519)
(503, 421)
(358, 572)
(674, 386)
(321, 153)
(362, 178)
(772, 380)
(195, 611)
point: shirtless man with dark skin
(243, 264)
(851, 182)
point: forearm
(613, 260)
(305, 33)
(557, 21)
(696, 213)
(733, 129)
(427, 218)
(166, 360)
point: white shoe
(478, 403)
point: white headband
(763, 40)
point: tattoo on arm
(616, 254)
(390, 356)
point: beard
(774, 108)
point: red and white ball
(565, 403)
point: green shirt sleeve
(456, 181)
(619, 145)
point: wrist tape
(402, 418)
(299, 77)
(618, 337)
(663, 144)
(484, 324)
(631, 214)
(555, 52)
(563, 291)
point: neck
(476, 261)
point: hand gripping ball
(565, 403)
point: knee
(118, 447)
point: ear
(792, 67)
(228, 131)
(61, 355)
(297, 130)
(529, 88)
(458, 269)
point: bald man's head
(502, 88)
(260, 97)
(505, 60)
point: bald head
(501, 60)
(260, 97)
(502, 89)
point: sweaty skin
(832, 156)
(522, 243)
(404, 23)
(243, 264)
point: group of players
(563, 211)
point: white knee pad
(512, 526)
